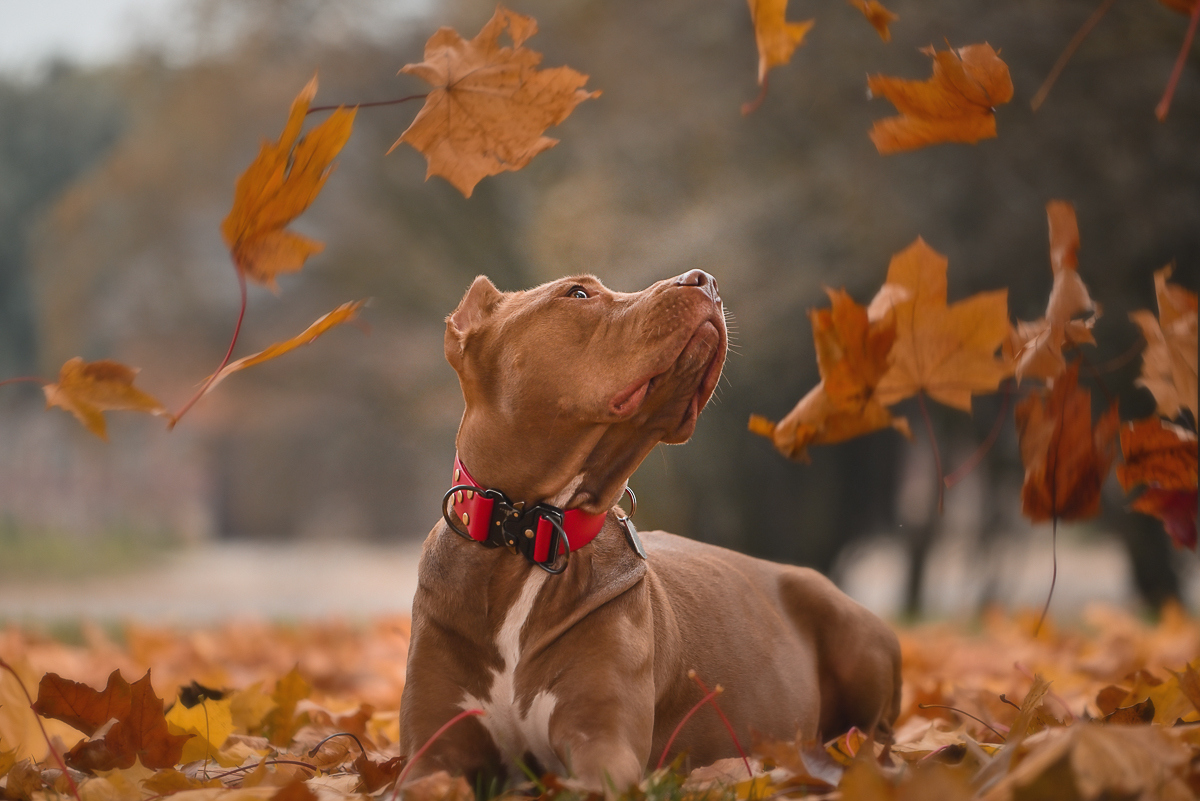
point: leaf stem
(971, 463)
(728, 726)
(751, 106)
(313, 751)
(966, 714)
(1164, 105)
(671, 740)
(30, 378)
(315, 109)
(1053, 575)
(1069, 51)
(236, 330)
(466, 713)
(937, 454)
(49, 745)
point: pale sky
(92, 32)
(84, 31)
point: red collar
(489, 517)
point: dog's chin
(707, 347)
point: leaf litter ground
(1109, 707)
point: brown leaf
(1175, 508)
(956, 105)
(23, 780)
(776, 38)
(853, 355)
(374, 776)
(1036, 348)
(1137, 713)
(295, 790)
(1162, 456)
(1065, 459)
(489, 104)
(879, 17)
(1169, 361)
(140, 734)
(342, 314)
(85, 389)
(440, 786)
(283, 722)
(277, 187)
(79, 705)
(948, 352)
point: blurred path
(222, 580)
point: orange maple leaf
(489, 104)
(1065, 459)
(853, 346)
(776, 38)
(85, 389)
(879, 17)
(1035, 348)
(1162, 456)
(277, 187)
(956, 105)
(945, 351)
(342, 314)
(1169, 361)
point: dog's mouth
(696, 366)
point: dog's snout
(701, 279)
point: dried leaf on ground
(1162, 456)
(957, 104)
(1169, 361)
(775, 37)
(853, 346)
(85, 389)
(879, 17)
(141, 733)
(277, 187)
(209, 723)
(80, 706)
(948, 352)
(1035, 348)
(342, 314)
(1065, 459)
(489, 104)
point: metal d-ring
(632, 502)
(562, 538)
(449, 518)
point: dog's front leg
(603, 723)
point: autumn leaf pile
(254, 711)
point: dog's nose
(701, 279)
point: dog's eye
(577, 292)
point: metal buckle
(514, 526)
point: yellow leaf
(249, 707)
(211, 723)
(776, 38)
(489, 104)
(342, 314)
(948, 352)
(277, 187)
(85, 389)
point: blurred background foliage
(114, 179)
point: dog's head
(569, 385)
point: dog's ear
(475, 306)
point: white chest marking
(515, 733)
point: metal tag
(631, 536)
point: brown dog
(568, 387)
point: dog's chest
(517, 729)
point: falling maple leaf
(948, 352)
(1169, 361)
(1162, 456)
(853, 346)
(277, 187)
(489, 104)
(1065, 459)
(879, 17)
(342, 314)
(776, 38)
(85, 389)
(1035, 349)
(956, 105)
